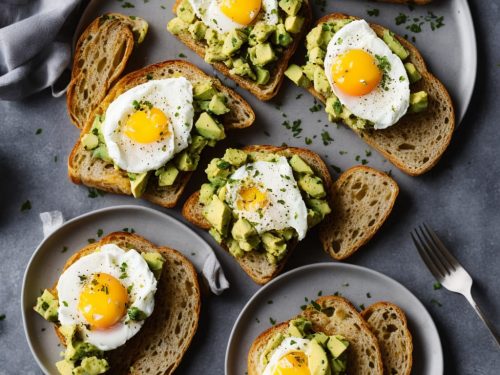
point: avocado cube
(336, 25)
(314, 37)
(221, 194)
(198, 30)
(291, 7)
(243, 230)
(333, 107)
(263, 75)
(338, 365)
(295, 73)
(234, 248)
(309, 69)
(274, 245)
(316, 55)
(299, 327)
(321, 83)
(260, 32)
(214, 53)
(281, 37)
(202, 105)
(65, 367)
(176, 26)
(235, 157)
(287, 233)
(313, 218)
(90, 141)
(101, 152)
(270, 347)
(320, 338)
(82, 350)
(91, 366)
(216, 235)
(197, 144)
(209, 128)
(250, 244)
(233, 42)
(212, 37)
(413, 73)
(168, 175)
(218, 171)
(218, 214)
(185, 12)
(207, 190)
(217, 104)
(186, 162)
(264, 54)
(204, 90)
(155, 262)
(47, 306)
(243, 69)
(138, 183)
(299, 165)
(96, 128)
(418, 102)
(395, 46)
(337, 345)
(318, 360)
(312, 185)
(321, 206)
(293, 24)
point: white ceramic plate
(281, 299)
(48, 259)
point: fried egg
(95, 292)
(366, 76)
(147, 125)
(266, 194)
(226, 15)
(291, 357)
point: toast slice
(83, 169)
(167, 333)
(417, 141)
(388, 322)
(336, 316)
(101, 53)
(362, 199)
(254, 263)
(271, 88)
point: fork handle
(488, 324)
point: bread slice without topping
(270, 89)
(101, 53)
(167, 333)
(336, 316)
(83, 169)
(417, 141)
(388, 322)
(362, 199)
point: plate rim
(309, 267)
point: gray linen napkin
(35, 49)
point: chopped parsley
(94, 193)
(272, 321)
(295, 127)
(99, 232)
(373, 12)
(327, 139)
(65, 303)
(436, 302)
(64, 249)
(181, 55)
(401, 18)
(316, 107)
(437, 285)
(126, 4)
(308, 141)
(335, 168)
(2, 317)
(26, 206)
(38, 131)
(136, 314)
(91, 240)
(316, 305)
(368, 295)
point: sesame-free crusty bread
(337, 316)
(270, 89)
(83, 169)
(362, 199)
(388, 322)
(165, 336)
(255, 263)
(416, 142)
(101, 53)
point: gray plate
(48, 259)
(281, 299)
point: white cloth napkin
(205, 260)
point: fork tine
(425, 257)
(451, 259)
(436, 252)
(430, 253)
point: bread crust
(270, 89)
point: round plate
(45, 265)
(281, 299)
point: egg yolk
(103, 301)
(251, 198)
(294, 363)
(356, 72)
(147, 126)
(241, 11)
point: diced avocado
(309, 69)
(202, 105)
(321, 83)
(318, 360)
(418, 102)
(395, 46)
(90, 141)
(242, 68)
(96, 128)
(249, 244)
(336, 25)
(320, 338)
(337, 345)
(65, 367)
(204, 90)
(313, 218)
(263, 156)
(260, 32)
(91, 366)
(198, 30)
(264, 54)
(316, 55)
(218, 171)
(263, 75)
(333, 107)
(82, 350)
(167, 175)
(101, 152)
(209, 128)
(242, 230)
(321, 206)
(351, 120)
(214, 53)
(291, 7)
(155, 262)
(228, 62)
(312, 185)
(233, 42)
(69, 332)
(185, 161)
(287, 233)
(281, 37)
(299, 165)
(299, 327)
(272, 344)
(235, 157)
(212, 37)
(206, 192)
(185, 12)
(413, 73)
(177, 25)
(216, 235)
(338, 366)
(314, 37)
(138, 183)
(47, 306)
(295, 73)
(234, 248)
(293, 24)
(218, 104)
(222, 193)
(218, 214)
(274, 244)
(197, 144)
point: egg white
(108, 259)
(289, 344)
(286, 207)
(173, 96)
(381, 107)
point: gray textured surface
(460, 198)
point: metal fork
(446, 269)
